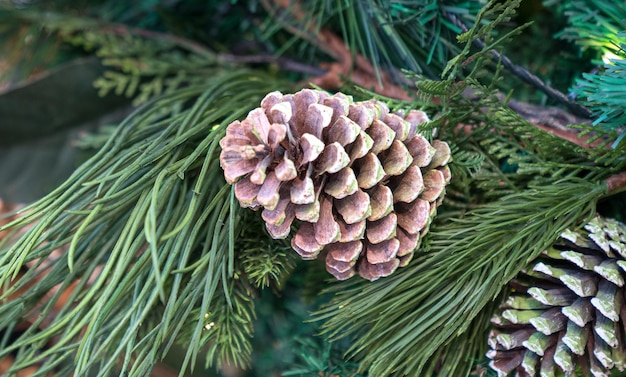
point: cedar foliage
(144, 250)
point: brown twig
(201, 50)
(555, 121)
(361, 72)
(524, 75)
(357, 69)
(283, 63)
(347, 67)
(306, 33)
(572, 137)
(616, 183)
(187, 44)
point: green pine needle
(593, 24)
(604, 93)
(597, 25)
(390, 34)
(490, 16)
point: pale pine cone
(567, 313)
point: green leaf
(42, 119)
(60, 99)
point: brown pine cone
(362, 182)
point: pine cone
(568, 310)
(361, 181)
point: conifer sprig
(140, 64)
(150, 209)
(264, 261)
(530, 182)
(593, 24)
(603, 92)
(490, 16)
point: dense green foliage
(160, 256)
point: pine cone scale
(344, 131)
(354, 208)
(333, 159)
(383, 229)
(342, 184)
(381, 202)
(409, 186)
(383, 252)
(326, 228)
(396, 159)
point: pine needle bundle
(150, 209)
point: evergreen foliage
(138, 67)
(149, 209)
(389, 33)
(145, 248)
(597, 26)
(603, 93)
(469, 262)
(321, 360)
(594, 25)
(265, 262)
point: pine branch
(374, 36)
(322, 360)
(424, 315)
(432, 302)
(229, 327)
(524, 74)
(295, 11)
(603, 93)
(149, 209)
(554, 120)
(348, 65)
(265, 262)
(357, 69)
(593, 24)
(144, 62)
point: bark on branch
(616, 183)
